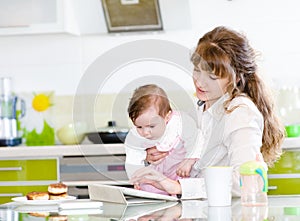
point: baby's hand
(185, 167)
(137, 186)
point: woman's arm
(243, 137)
(151, 176)
(192, 137)
(194, 188)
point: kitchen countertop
(61, 150)
(279, 208)
(291, 143)
(90, 149)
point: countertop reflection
(279, 208)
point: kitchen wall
(57, 62)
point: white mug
(218, 183)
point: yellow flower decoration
(41, 102)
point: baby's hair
(146, 96)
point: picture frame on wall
(132, 15)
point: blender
(9, 115)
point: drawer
(284, 177)
(93, 168)
(8, 192)
(284, 186)
(29, 169)
(288, 163)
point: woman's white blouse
(229, 139)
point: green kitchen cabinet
(284, 177)
(20, 176)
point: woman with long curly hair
(235, 114)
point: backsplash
(97, 110)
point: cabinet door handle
(272, 188)
(10, 194)
(10, 168)
(284, 176)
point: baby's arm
(134, 160)
(135, 153)
(185, 167)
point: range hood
(92, 16)
(104, 16)
(132, 15)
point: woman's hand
(154, 156)
(150, 176)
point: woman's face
(209, 87)
(150, 125)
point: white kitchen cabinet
(19, 17)
(36, 17)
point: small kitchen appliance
(8, 114)
(254, 184)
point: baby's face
(150, 125)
